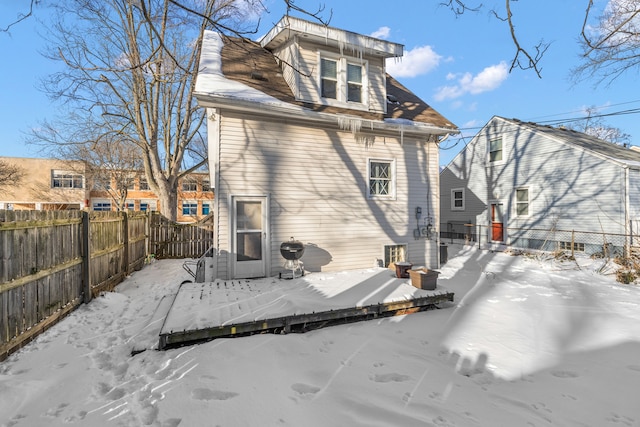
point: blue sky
(457, 65)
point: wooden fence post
(86, 257)
(125, 239)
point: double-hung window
(495, 150)
(329, 78)
(343, 80)
(381, 178)
(354, 83)
(457, 199)
(522, 202)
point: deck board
(228, 308)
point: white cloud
(486, 80)
(417, 61)
(381, 33)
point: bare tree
(128, 75)
(611, 46)
(10, 174)
(594, 124)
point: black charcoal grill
(292, 251)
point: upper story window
(206, 185)
(381, 178)
(343, 80)
(329, 78)
(495, 150)
(189, 185)
(354, 83)
(457, 199)
(143, 184)
(63, 179)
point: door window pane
(249, 215)
(249, 246)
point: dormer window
(329, 78)
(354, 83)
(343, 80)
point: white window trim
(392, 189)
(453, 205)
(515, 204)
(341, 89)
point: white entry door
(249, 237)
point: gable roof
(586, 142)
(249, 64)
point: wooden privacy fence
(168, 239)
(52, 261)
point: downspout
(213, 118)
(627, 218)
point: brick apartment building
(49, 184)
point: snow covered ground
(530, 341)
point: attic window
(391, 99)
(343, 81)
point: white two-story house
(310, 138)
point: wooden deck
(210, 310)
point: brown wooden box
(424, 279)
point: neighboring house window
(522, 202)
(206, 208)
(189, 185)
(381, 178)
(62, 179)
(130, 205)
(189, 208)
(394, 253)
(457, 199)
(342, 80)
(101, 206)
(206, 185)
(495, 150)
(143, 184)
(148, 206)
(130, 183)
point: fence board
(43, 262)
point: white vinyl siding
(327, 208)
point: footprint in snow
(565, 374)
(304, 389)
(208, 394)
(392, 377)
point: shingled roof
(249, 63)
(585, 141)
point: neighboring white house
(516, 179)
(310, 138)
